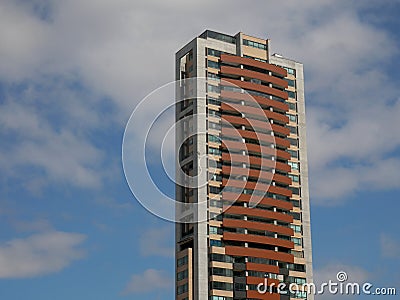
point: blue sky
(71, 72)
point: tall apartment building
(236, 245)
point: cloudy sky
(72, 71)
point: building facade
(243, 135)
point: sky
(71, 73)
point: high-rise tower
(243, 135)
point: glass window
(255, 58)
(254, 44)
(213, 230)
(214, 151)
(213, 52)
(213, 138)
(295, 178)
(182, 289)
(296, 228)
(182, 275)
(182, 261)
(218, 36)
(293, 153)
(293, 142)
(213, 88)
(292, 106)
(292, 118)
(293, 129)
(291, 82)
(213, 64)
(213, 101)
(294, 165)
(216, 243)
(297, 241)
(290, 71)
(291, 94)
(213, 76)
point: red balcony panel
(244, 251)
(262, 268)
(233, 223)
(253, 74)
(257, 87)
(251, 62)
(251, 98)
(231, 236)
(239, 210)
(280, 191)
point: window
(296, 228)
(216, 243)
(292, 118)
(213, 101)
(292, 106)
(290, 71)
(214, 151)
(295, 178)
(220, 298)
(182, 275)
(213, 76)
(213, 125)
(214, 113)
(297, 280)
(255, 58)
(294, 142)
(221, 257)
(295, 191)
(213, 64)
(293, 153)
(291, 94)
(218, 36)
(297, 241)
(182, 261)
(297, 267)
(221, 272)
(295, 215)
(216, 203)
(213, 88)
(214, 139)
(294, 165)
(221, 286)
(213, 52)
(182, 289)
(254, 44)
(291, 82)
(215, 190)
(214, 230)
(293, 129)
(299, 294)
(216, 177)
(215, 216)
(255, 80)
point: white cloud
(131, 53)
(390, 246)
(60, 154)
(355, 154)
(150, 281)
(40, 254)
(158, 242)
